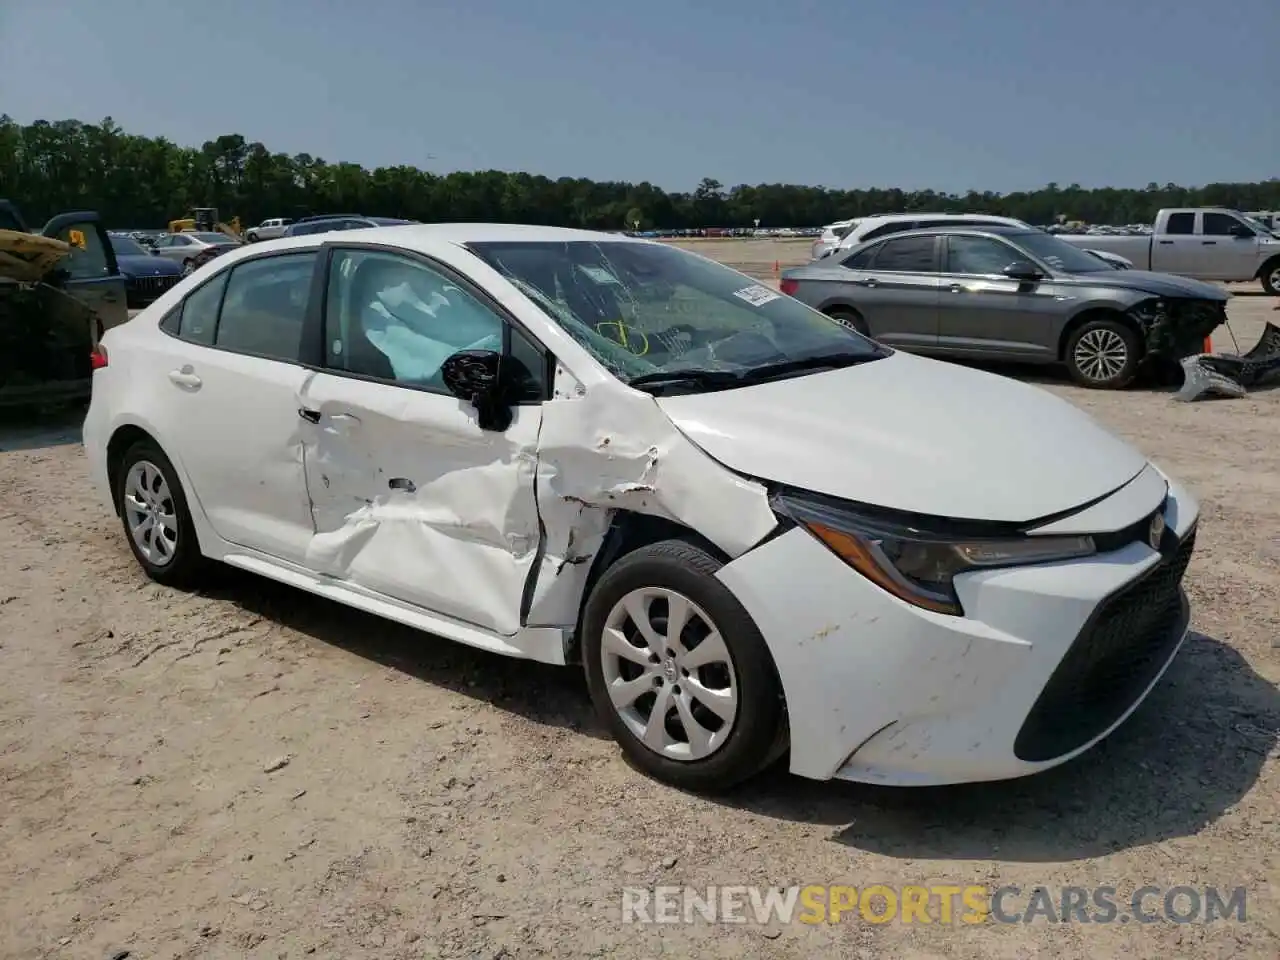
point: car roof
(1005, 229)
(421, 237)
(411, 235)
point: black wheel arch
(1267, 266)
(125, 437)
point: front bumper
(1048, 660)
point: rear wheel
(188, 266)
(1103, 354)
(850, 318)
(678, 671)
(156, 520)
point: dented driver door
(411, 498)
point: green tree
(135, 181)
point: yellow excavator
(205, 220)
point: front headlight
(913, 562)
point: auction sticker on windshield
(757, 296)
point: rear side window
(862, 259)
(906, 255)
(265, 305)
(200, 312)
(1184, 223)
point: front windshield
(643, 309)
(1261, 227)
(124, 247)
(1058, 254)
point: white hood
(916, 435)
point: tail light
(789, 286)
(98, 358)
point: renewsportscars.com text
(934, 904)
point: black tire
(849, 317)
(1104, 330)
(188, 266)
(1270, 277)
(187, 562)
(755, 739)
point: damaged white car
(760, 532)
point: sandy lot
(437, 801)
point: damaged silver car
(1012, 294)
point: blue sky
(984, 94)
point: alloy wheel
(669, 674)
(1101, 354)
(150, 513)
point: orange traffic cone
(1208, 344)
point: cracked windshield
(645, 310)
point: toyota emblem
(1156, 533)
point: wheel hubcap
(150, 513)
(1101, 354)
(1275, 279)
(669, 674)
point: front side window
(265, 306)
(398, 319)
(978, 255)
(1220, 225)
(645, 309)
(1181, 223)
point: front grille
(150, 288)
(1114, 659)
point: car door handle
(1166, 243)
(870, 282)
(956, 288)
(311, 416)
(111, 296)
(1208, 243)
(185, 377)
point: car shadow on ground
(27, 428)
(1191, 752)
(544, 694)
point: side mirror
(1241, 232)
(474, 376)
(1022, 270)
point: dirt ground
(437, 801)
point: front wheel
(1270, 277)
(1103, 354)
(678, 671)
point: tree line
(143, 182)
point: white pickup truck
(1204, 243)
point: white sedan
(758, 531)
